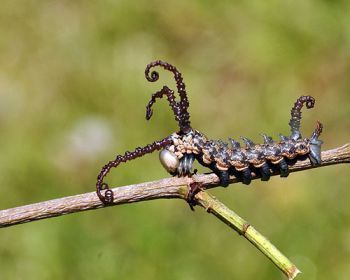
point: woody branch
(166, 188)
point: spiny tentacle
(182, 114)
(107, 198)
(294, 122)
(171, 98)
(181, 88)
(318, 130)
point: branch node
(245, 228)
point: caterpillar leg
(224, 175)
(246, 176)
(224, 178)
(185, 166)
(283, 166)
(265, 172)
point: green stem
(215, 207)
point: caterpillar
(182, 148)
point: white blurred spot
(11, 103)
(89, 137)
(85, 141)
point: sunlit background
(73, 95)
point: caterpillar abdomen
(219, 157)
(225, 159)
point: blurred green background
(73, 95)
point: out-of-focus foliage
(73, 95)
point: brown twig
(166, 188)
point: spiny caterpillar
(180, 149)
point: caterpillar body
(181, 149)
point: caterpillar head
(169, 161)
